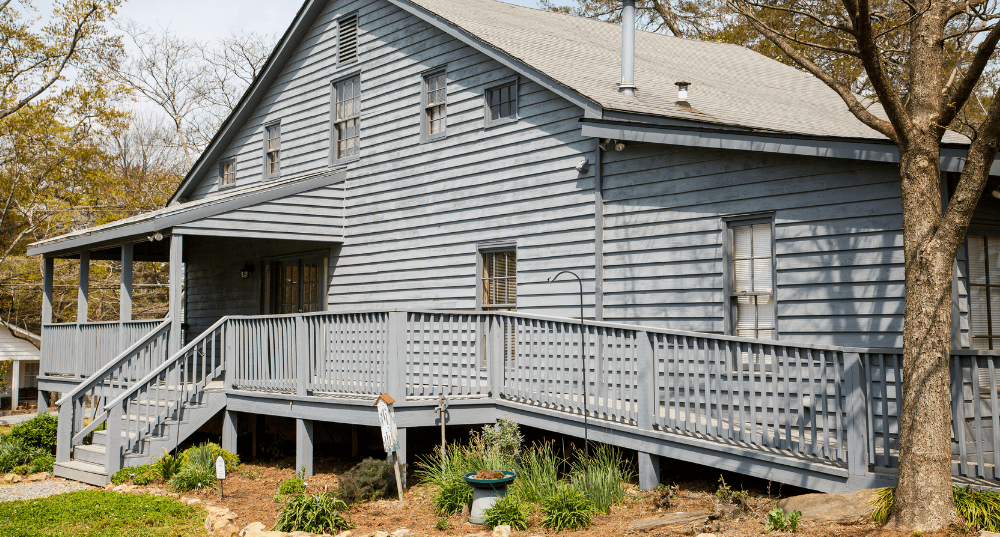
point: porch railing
(80, 349)
(81, 411)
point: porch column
(304, 446)
(649, 471)
(125, 307)
(15, 383)
(48, 271)
(229, 431)
(82, 307)
(43, 400)
(176, 277)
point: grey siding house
(392, 205)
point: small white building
(21, 380)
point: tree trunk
(924, 500)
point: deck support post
(44, 398)
(82, 308)
(229, 430)
(304, 446)
(396, 376)
(649, 471)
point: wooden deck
(814, 416)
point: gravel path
(49, 487)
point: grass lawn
(95, 513)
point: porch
(814, 416)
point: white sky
(211, 19)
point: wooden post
(396, 362)
(125, 297)
(649, 471)
(48, 272)
(229, 423)
(647, 382)
(230, 358)
(857, 412)
(113, 446)
(82, 307)
(304, 446)
(15, 383)
(400, 456)
(302, 372)
(176, 279)
(64, 434)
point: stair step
(86, 472)
(94, 454)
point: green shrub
(313, 514)
(777, 520)
(565, 509)
(442, 524)
(538, 472)
(292, 486)
(22, 469)
(507, 510)
(193, 478)
(209, 451)
(167, 466)
(370, 479)
(38, 432)
(15, 453)
(43, 463)
(603, 479)
(504, 437)
(883, 500)
(137, 475)
(454, 494)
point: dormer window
(227, 172)
(272, 151)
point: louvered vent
(348, 51)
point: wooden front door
(296, 285)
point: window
(272, 151)
(435, 99)
(499, 280)
(346, 115)
(347, 31)
(294, 285)
(501, 104)
(984, 291)
(752, 281)
(30, 376)
(227, 172)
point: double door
(296, 285)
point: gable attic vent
(348, 33)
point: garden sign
(390, 434)
(220, 474)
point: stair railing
(86, 401)
(161, 395)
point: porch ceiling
(206, 216)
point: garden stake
(583, 358)
(442, 406)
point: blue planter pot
(485, 493)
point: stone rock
(465, 515)
(35, 478)
(502, 531)
(381, 534)
(11, 478)
(401, 532)
(480, 534)
(345, 534)
(725, 510)
(706, 535)
(191, 501)
(673, 519)
(300, 534)
(109, 486)
(854, 508)
(253, 527)
(985, 533)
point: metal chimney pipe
(627, 85)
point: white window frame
(335, 158)
(488, 116)
(268, 150)
(425, 107)
(222, 172)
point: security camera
(583, 166)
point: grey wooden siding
(838, 241)
(960, 329)
(416, 213)
(213, 286)
(316, 215)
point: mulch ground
(250, 490)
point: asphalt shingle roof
(730, 85)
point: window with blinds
(499, 280)
(346, 118)
(752, 295)
(984, 291)
(347, 28)
(435, 104)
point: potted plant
(487, 487)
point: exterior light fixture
(996, 193)
(603, 144)
(157, 236)
(583, 166)
(619, 146)
(247, 270)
